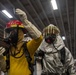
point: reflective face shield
(50, 38)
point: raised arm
(34, 32)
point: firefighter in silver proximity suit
(50, 49)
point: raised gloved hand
(33, 31)
(21, 14)
(51, 29)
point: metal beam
(12, 8)
(68, 24)
(36, 13)
(62, 21)
(75, 28)
(43, 11)
(2, 26)
(7, 10)
(2, 21)
(28, 14)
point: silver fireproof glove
(34, 32)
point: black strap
(62, 53)
(27, 55)
(29, 59)
(6, 53)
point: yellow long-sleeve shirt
(19, 66)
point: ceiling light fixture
(54, 4)
(6, 13)
(63, 37)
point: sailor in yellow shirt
(15, 30)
